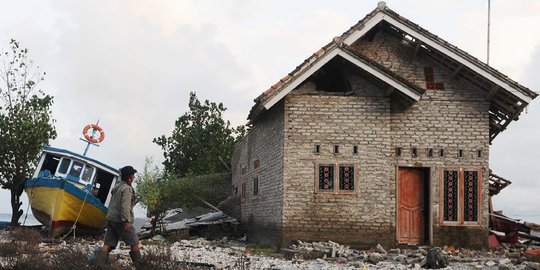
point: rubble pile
(518, 256)
(235, 254)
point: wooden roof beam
(417, 48)
(456, 71)
(509, 107)
(493, 92)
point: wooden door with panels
(412, 205)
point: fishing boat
(70, 192)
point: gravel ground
(226, 254)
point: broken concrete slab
(436, 258)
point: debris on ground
(230, 253)
(507, 256)
(197, 222)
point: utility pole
(488, 28)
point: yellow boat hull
(59, 204)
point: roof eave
(362, 29)
(335, 51)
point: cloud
(133, 69)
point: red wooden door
(410, 206)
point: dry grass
(28, 235)
(24, 253)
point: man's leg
(130, 238)
(109, 243)
(135, 255)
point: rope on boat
(29, 199)
(74, 227)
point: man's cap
(127, 171)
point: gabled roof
(334, 49)
(507, 97)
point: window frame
(461, 197)
(75, 178)
(256, 186)
(336, 179)
(243, 191)
(60, 163)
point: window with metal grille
(450, 198)
(336, 178)
(470, 196)
(460, 201)
(346, 178)
(326, 177)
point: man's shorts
(115, 232)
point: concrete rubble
(234, 254)
(506, 257)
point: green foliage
(25, 121)
(158, 191)
(202, 142)
(153, 192)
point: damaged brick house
(382, 136)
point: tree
(153, 193)
(25, 122)
(202, 142)
(158, 191)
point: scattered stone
(505, 261)
(450, 249)
(159, 238)
(423, 262)
(401, 258)
(513, 255)
(375, 258)
(380, 249)
(436, 258)
(227, 253)
(532, 266)
(507, 267)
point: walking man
(120, 217)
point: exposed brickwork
(451, 119)
(460, 236)
(346, 121)
(261, 155)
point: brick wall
(454, 118)
(450, 119)
(260, 155)
(327, 120)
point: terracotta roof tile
(319, 53)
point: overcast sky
(131, 64)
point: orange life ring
(94, 128)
